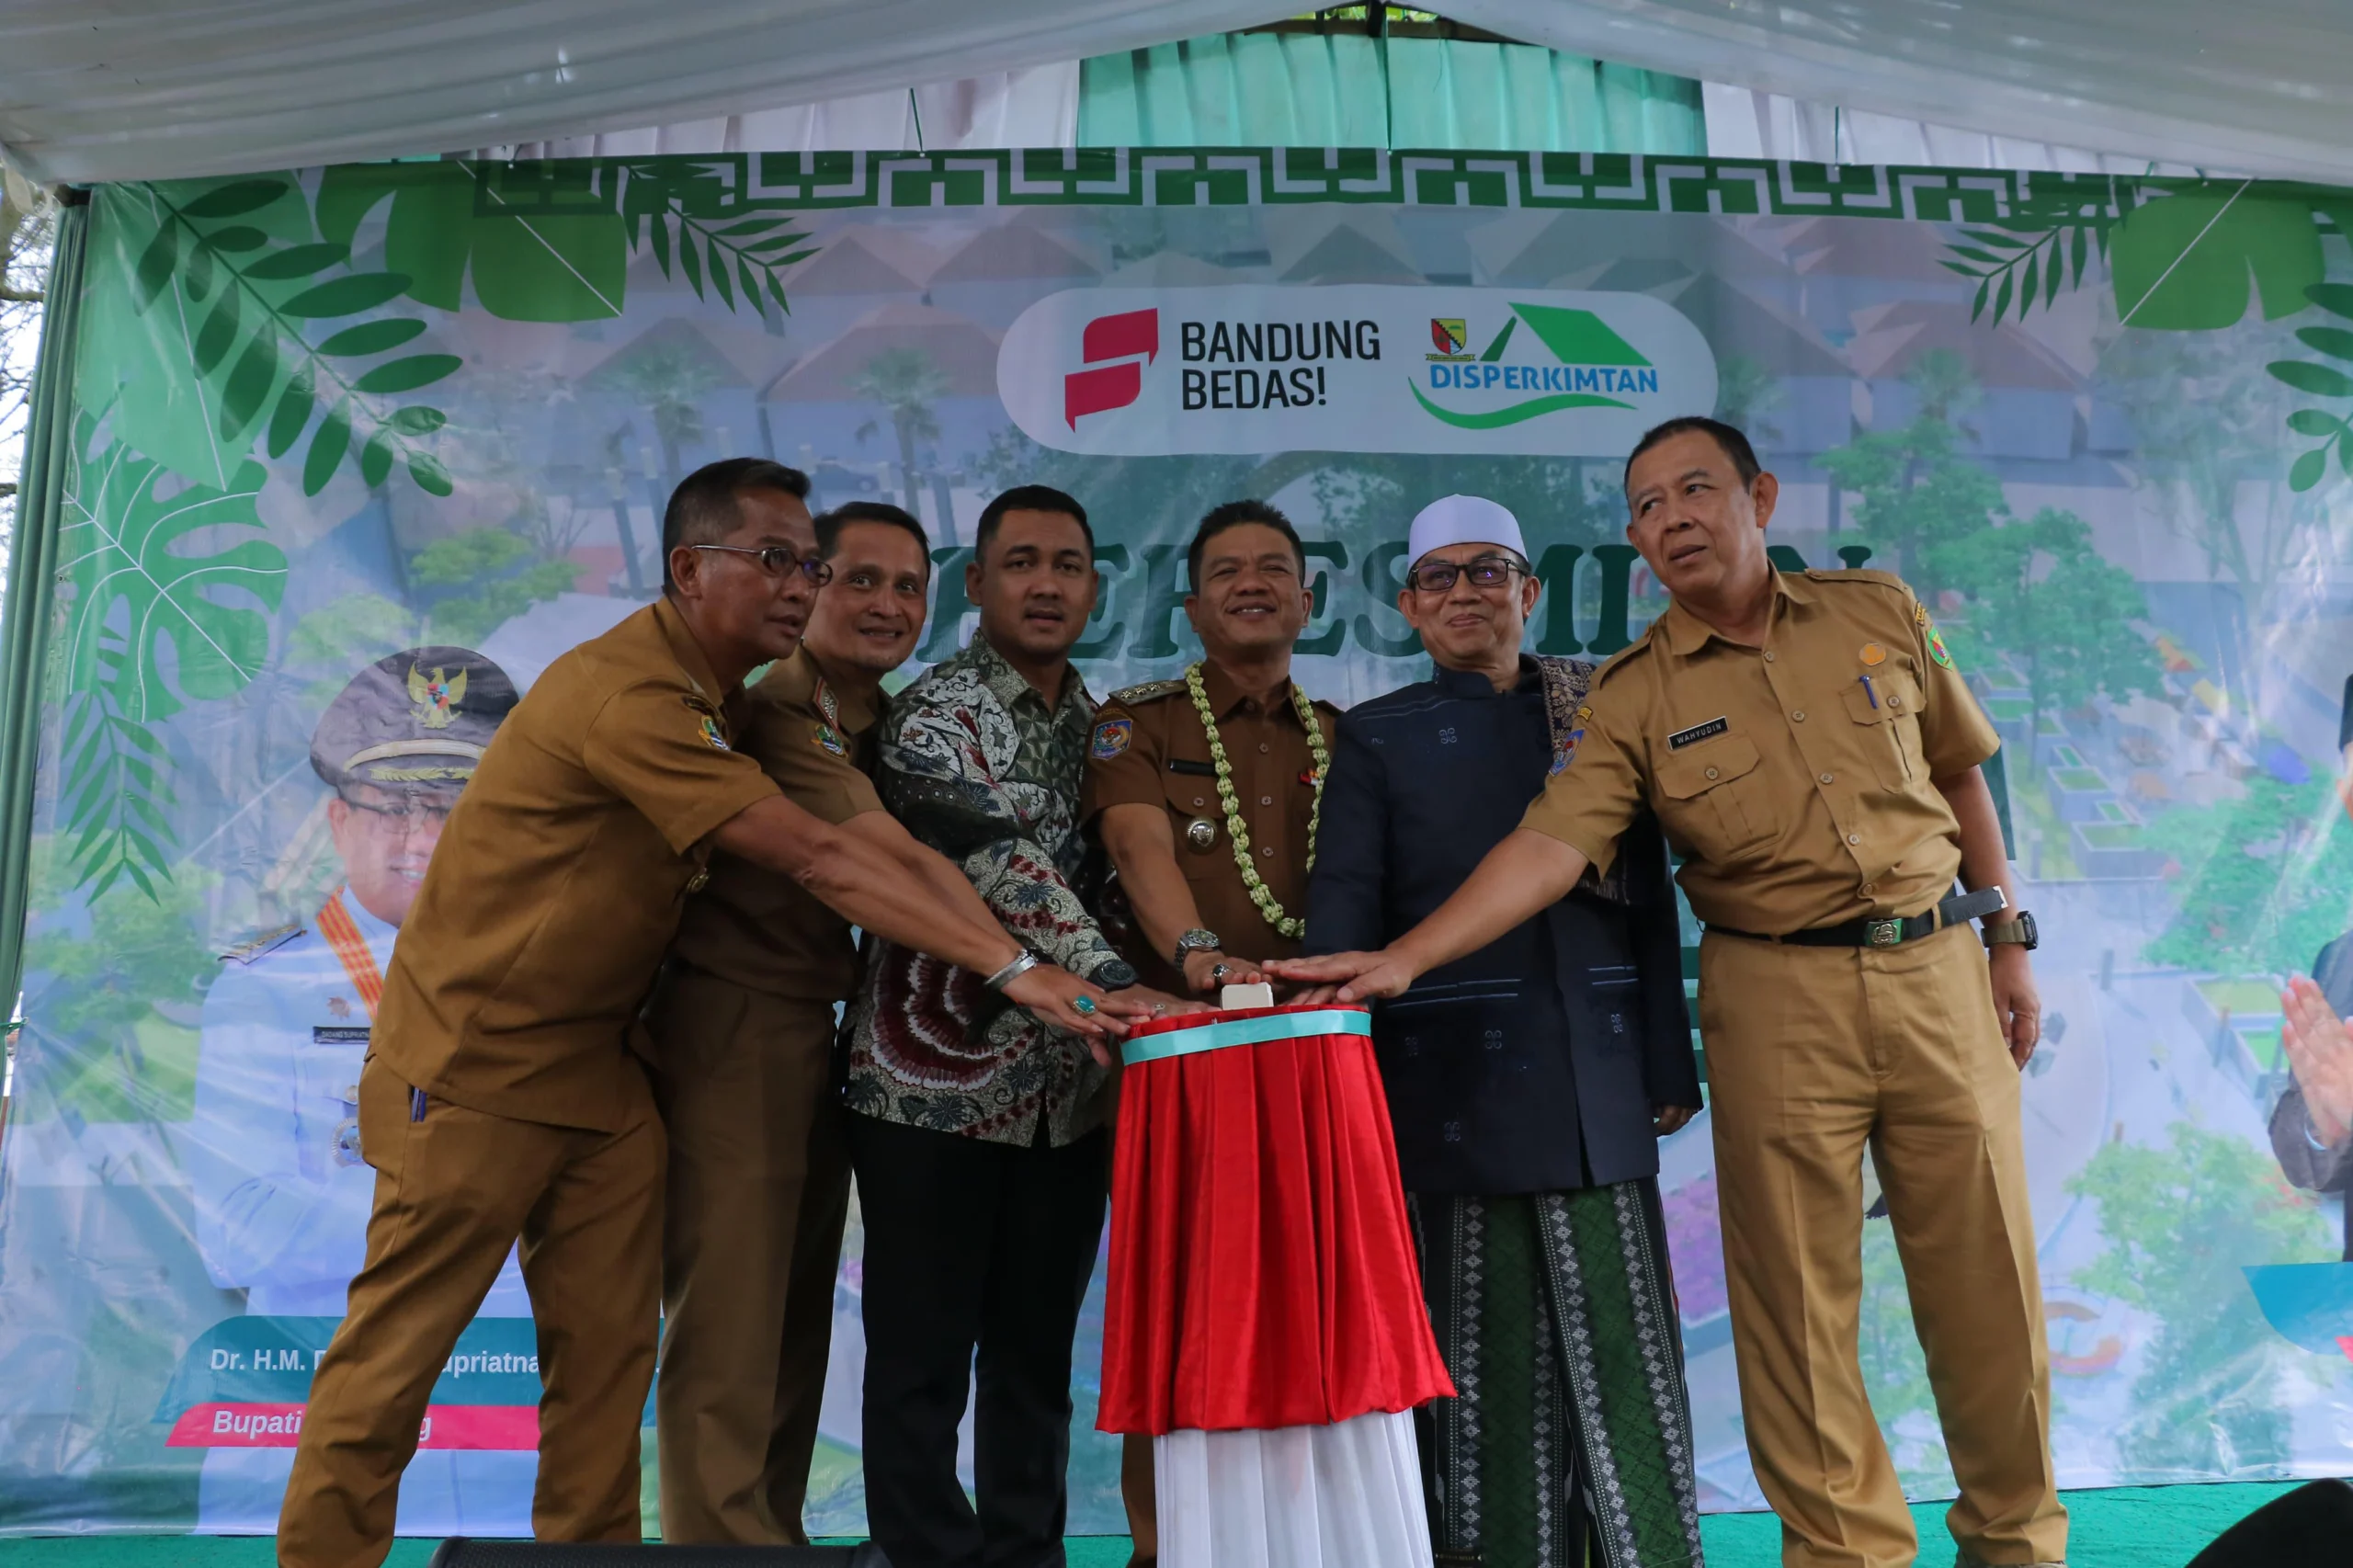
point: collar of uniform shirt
(1226, 695)
(689, 653)
(794, 681)
(1687, 634)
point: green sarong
(1553, 1314)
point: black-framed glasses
(776, 560)
(1484, 572)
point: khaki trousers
(758, 1193)
(1811, 1052)
(453, 1191)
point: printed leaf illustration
(214, 288)
(155, 619)
(2041, 247)
(142, 584)
(2185, 262)
(681, 207)
(2334, 432)
(540, 240)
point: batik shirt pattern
(979, 767)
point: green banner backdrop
(316, 418)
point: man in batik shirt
(979, 1135)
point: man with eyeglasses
(1810, 746)
(1528, 1081)
(505, 1093)
(743, 1024)
(282, 1193)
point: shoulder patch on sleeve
(1111, 737)
(267, 941)
(1150, 692)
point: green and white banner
(331, 416)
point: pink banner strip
(280, 1426)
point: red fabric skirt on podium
(1262, 1269)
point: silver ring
(1217, 973)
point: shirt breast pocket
(1197, 816)
(1714, 800)
(1887, 727)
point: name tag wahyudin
(1682, 738)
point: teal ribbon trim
(1247, 1031)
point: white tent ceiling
(123, 89)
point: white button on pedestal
(1266, 800)
(1711, 772)
(1799, 715)
(1854, 839)
(1825, 779)
(1768, 655)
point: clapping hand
(2320, 1052)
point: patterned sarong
(1554, 1316)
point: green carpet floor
(2140, 1526)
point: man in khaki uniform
(743, 1025)
(500, 1097)
(1808, 745)
(1193, 922)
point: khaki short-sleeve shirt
(559, 881)
(1148, 747)
(755, 927)
(1797, 780)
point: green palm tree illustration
(669, 383)
(904, 382)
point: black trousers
(971, 1247)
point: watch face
(2034, 937)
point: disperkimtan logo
(1249, 369)
(1590, 366)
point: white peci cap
(1462, 520)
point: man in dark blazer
(1528, 1083)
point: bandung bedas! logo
(1252, 368)
(1121, 338)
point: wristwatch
(2020, 928)
(1195, 941)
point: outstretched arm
(1527, 872)
(869, 887)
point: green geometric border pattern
(732, 184)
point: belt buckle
(1883, 933)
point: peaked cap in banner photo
(417, 719)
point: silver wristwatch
(1195, 941)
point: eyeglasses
(1485, 571)
(401, 818)
(776, 561)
